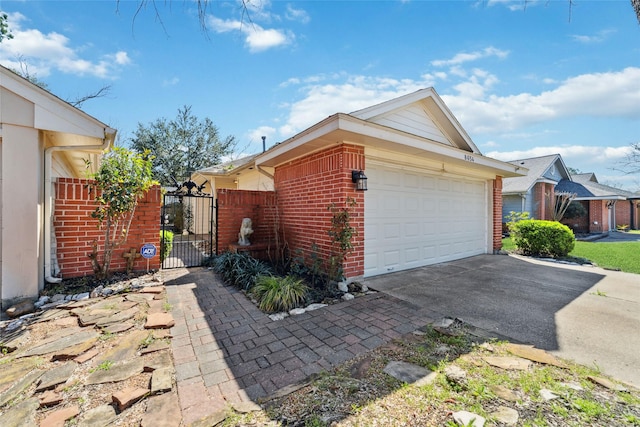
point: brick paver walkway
(227, 351)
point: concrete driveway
(585, 314)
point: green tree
(5, 31)
(182, 145)
(123, 178)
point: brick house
(607, 207)
(432, 196)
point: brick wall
(497, 213)
(306, 187)
(234, 205)
(623, 212)
(599, 213)
(76, 230)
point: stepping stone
(246, 407)
(409, 373)
(17, 388)
(50, 398)
(10, 342)
(140, 298)
(59, 417)
(88, 318)
(55, 376)
(101, 416)
(156, 306)
(86, 356)
(506, 415)
(73, 337)
(504, 393)
(128, 396)
(21, 415)
(13, 371)
(607, 384)
(164, 411)
(58, 317)
(161, 380)
(126, 349)
(506, 362)
(117, 328)
(156, 346)
(118, 317)
(160, 360)
(161, 334)
(534, 354)
(159, 321)
(66, 321)
(152, 290)
(116, 373)
(468, 419)
(73, 351)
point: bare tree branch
(103, 91)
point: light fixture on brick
(360, 180)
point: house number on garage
(469, 158)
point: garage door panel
(414, 219)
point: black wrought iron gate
(190, 215)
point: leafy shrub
(239, 270)
(166, 244)
(279, 293)
(542, 238)
(575, 210)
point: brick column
(497, 214)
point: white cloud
(610, 94)
(53, 51)
(298, 15)
(170, 82)
(462, 57)
(351, 94)
(599, 37)
(257, 38)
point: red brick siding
(76, 230)
(497, 213)
(306, 187)
(623, 212)
(599, 213)
(234, 205)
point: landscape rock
(50, 398)
(41, 301)
(159, 321)
(315, 306)
(343, 287)
(534, 354)
(128, 396)
(506, 362)
(86, 356)
(18, 387)
(81, 297)
(456, 375)
(246, 407)
(101, 416)
(21, 415)
(468, 419)
(55, 376)
(153, 347)
(504, 393)
(607, 383)
(164, 411)
(547, 394)
(116, 373)
(126, 348)
(505, 415)
(21, 308)
(96, 292)
(59, 417)
(68, 337)
(278, 316)
(297, 311)
(348, 297)
(161, 380)
(58, 297)
(409, 373)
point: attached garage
(415, 218)
(432, 196)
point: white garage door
(414, 219)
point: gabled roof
(590, 190)
(418, 124)
(538, 168)
(584, 177)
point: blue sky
(523, 78)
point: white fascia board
(372, 130)
(50, 110)
(601, 198)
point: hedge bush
(542, 238)
(279, 293)
(166, 244)
(239, 270)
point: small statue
(245, 231)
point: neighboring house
(238, 174)
(432, 196)
(607, 207)
(41, 138)
(535, 192)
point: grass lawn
(624, 256)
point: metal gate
(189, 214)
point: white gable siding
(412, 119)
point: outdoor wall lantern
(360, 180)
